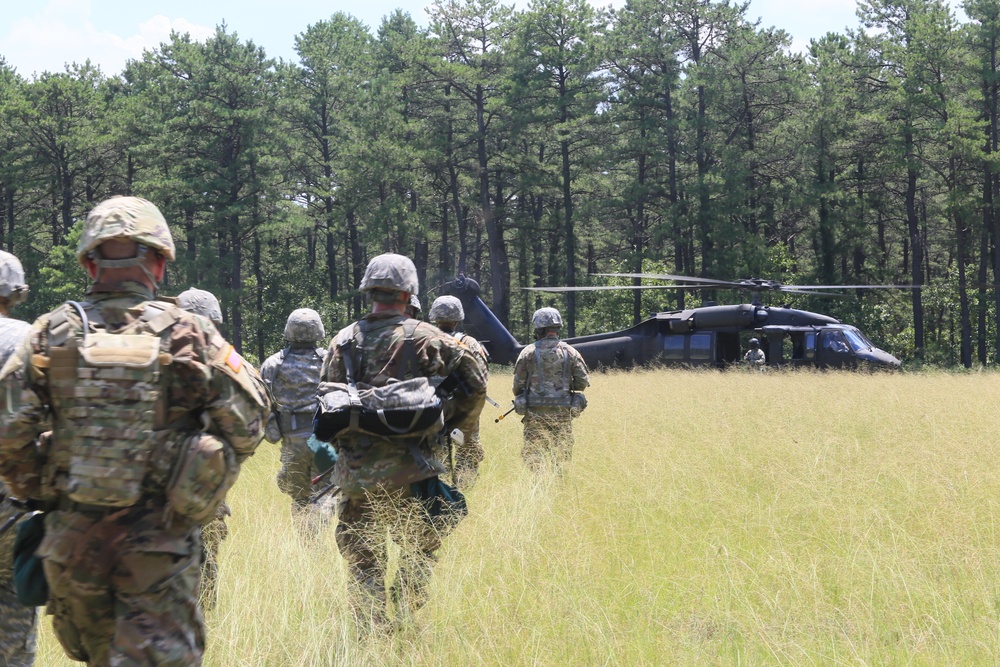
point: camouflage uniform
(755, 355)
(293, 376)
(375, 474)
(124, 580)
(446, 313)
(539, 371)
(213, 534)
(17, 622)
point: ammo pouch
(403, 407)
(408, 407)
(204, 472)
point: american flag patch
(234, 360)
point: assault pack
(406, 407)
(564, 398)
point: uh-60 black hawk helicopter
(710, 335)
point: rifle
(315, 498)
(497, 420)
(492, 402)
(455, 435)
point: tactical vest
(562, 398)
(108, 397)
(295, 390)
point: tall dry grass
(707, 518)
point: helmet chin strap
(139, 260)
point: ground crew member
(446, 314)
(213, 533)
(381, 478)
(293, 376)
(754, 355)
(17, 622)
(547, 376)
(136, 386)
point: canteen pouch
(521, 403)
(407, 407)
(30, 585)
(204, 472)
(578, 403)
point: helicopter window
(857, 340)
(810, 345)
(673, 347)
(834, 342)
(701, 346)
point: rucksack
(407, 407)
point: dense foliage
(537, 147)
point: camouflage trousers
(366, 528)
(17, 622)
(297, 470)
(548, 441)
(124, 586)
(468, 456)
(213, 534)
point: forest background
(537, 147)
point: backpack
(564, 398)
(407, 407)
(105, 391)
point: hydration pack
(105, 392)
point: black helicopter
(709, 335)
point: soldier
(17, 622)
(293, 376)
(755, 355)
(213, 533)
(446, 314)
(151, 412)
(547, 375)
(413, 309)
(383, 480)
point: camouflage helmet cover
(415, 304)
(446, 308)
(391, 272)
(304, 326)
(131, 218)
(201, 302)
(546, 317)
(12, 285)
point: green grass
(706, 519)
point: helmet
(125, 218)
(304, 326)
(446, 309)
(546, 317)
(415, 304)
(12, 285)
(391, 272)
(200, 302)
(754, 342)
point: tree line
(539, 147)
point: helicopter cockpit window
(834, 342)
(673, 347)
(857, 340)
(701, 346)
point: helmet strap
(139, 260)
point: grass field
(706, 519)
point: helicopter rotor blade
(815, 287)
(711, 282)
(812, 292)
(605, 288)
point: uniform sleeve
(440, 354)
(333, 365)
(239, 405)
(581, 377)
(25, 414)
(272, 430)
(521, 371)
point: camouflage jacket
(293, 376)
(473, 344)
(203, 374)
(12, 335)
(547, 380)
(365, 463)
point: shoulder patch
(233, 359)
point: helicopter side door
(834, 350)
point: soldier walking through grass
(446, 314)
(548, 377)
(389, 484)
(151, 412)
(293, 376)
(17, 622)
